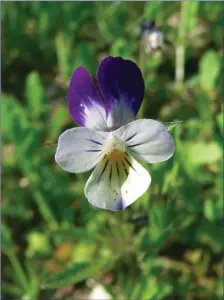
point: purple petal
(84, 101)
(121, 83)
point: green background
(167, 245)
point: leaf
(12, 289)
(35, 96)
(152, 8)
(204, 107)
(171, 125)
(84, 252)
(72, 275)
(111, 28)
(121, 48)
(202, 153)
(192, 155)
(156, 291)
(63, 50)
(220, 122)
(158, 241)
(192, 14)
(6, 238)
(171, 177)
(11, 111)
(38, 244)
(86, 57)
(210, 66)
(16, 212)
(29, 142)
(161, 215)
(210, 234)
(213, 209)
(71, 234)
(34, 280)
(59, 119)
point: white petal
(95, 117)
(79, 149)
(120, 115)
(148, 140)
(114, 185)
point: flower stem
(180, 47)
(38, 196)
(45, 209)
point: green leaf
(59, 119)
(204, 107)
(210, 234)
(152, 8)
(111, 28)
(63, 50)
(156, 291)
(38, 244)
(220, 122)
(171, 177)
(16, 212)
(71, 234)
(35, 96)
(144, 240)
(213, 209)
(200, 153)
(34, 280)
(72, 275)
(84, 252)
(193, 7)
(171, 125)
(161, 215)
(210, 66)
(12, 112)
(12, 289)
(121, 48)
(7, 243)
(86, 57)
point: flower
(110, 139)
(152, 37)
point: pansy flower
(110, 140)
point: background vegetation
(167, 245)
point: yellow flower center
(116, 155)
(115, 149)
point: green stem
(18, 270)
(42, 204)
(12, 290)
(45, 209)
(180, 47)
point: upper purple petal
(84, 101)
(120, 81)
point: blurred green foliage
(167, 245)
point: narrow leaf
(72, 275)
(171, 125)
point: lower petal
(114, 185)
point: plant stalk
(18, 270)
(181, 43)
